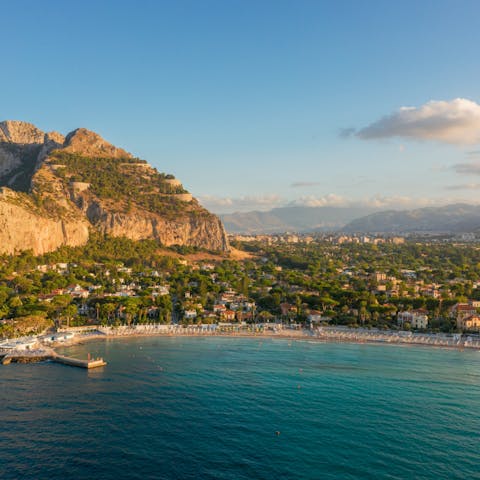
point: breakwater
(47, 354)
(26, 356)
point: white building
(25, 343)
(58, 337)
(418, 319)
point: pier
(25, 356)
(75, 362)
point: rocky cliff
(55, 190)
(23, 229)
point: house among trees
(462, 311)
(470, 322)
(418, 319)
(190, 314)
(315, 316)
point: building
(190, 314)
(219, 308)
(25, 343)
(379, 276)
(59, 337)
(461, 311)
(471, 322)
(316, 316)
(418, 319)
(228, 315)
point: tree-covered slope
(56, 189)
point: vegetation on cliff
(65, 187)
(128, 181)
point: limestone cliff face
(200, 230)
(13, 131)
(23, 229)
(22, 147)
(53, 193)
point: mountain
(293, 219)
(447, 219)
(55, 190)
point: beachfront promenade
(359, 335)
(332, 334)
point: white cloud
(330, 200)
(223, 205)
(396, 202)
(377, 201)
(241, 204)
(456, 121)
(464, 186)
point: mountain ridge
(299, 219)
(55, 189)
(452, 218)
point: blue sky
(254, 104)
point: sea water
(243, 408)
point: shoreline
(343, 337)
(80, 336)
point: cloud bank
(244, 203)
(467, 168)
(330, 200)
(455, 122)
(223, 205)
(305, 184)
(464, 186)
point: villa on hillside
(418, 319)
(470, 322)
(462, 311)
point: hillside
(293, 219)
(54, 190)
(447, 219)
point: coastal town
(378, 288)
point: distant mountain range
(447, 219)
(293, 219)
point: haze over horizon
(255, 105)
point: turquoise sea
(243, 408)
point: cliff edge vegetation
(56, 190)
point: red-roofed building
(472, 322)
(228, 315)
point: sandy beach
(321, 334)
(43, 348)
